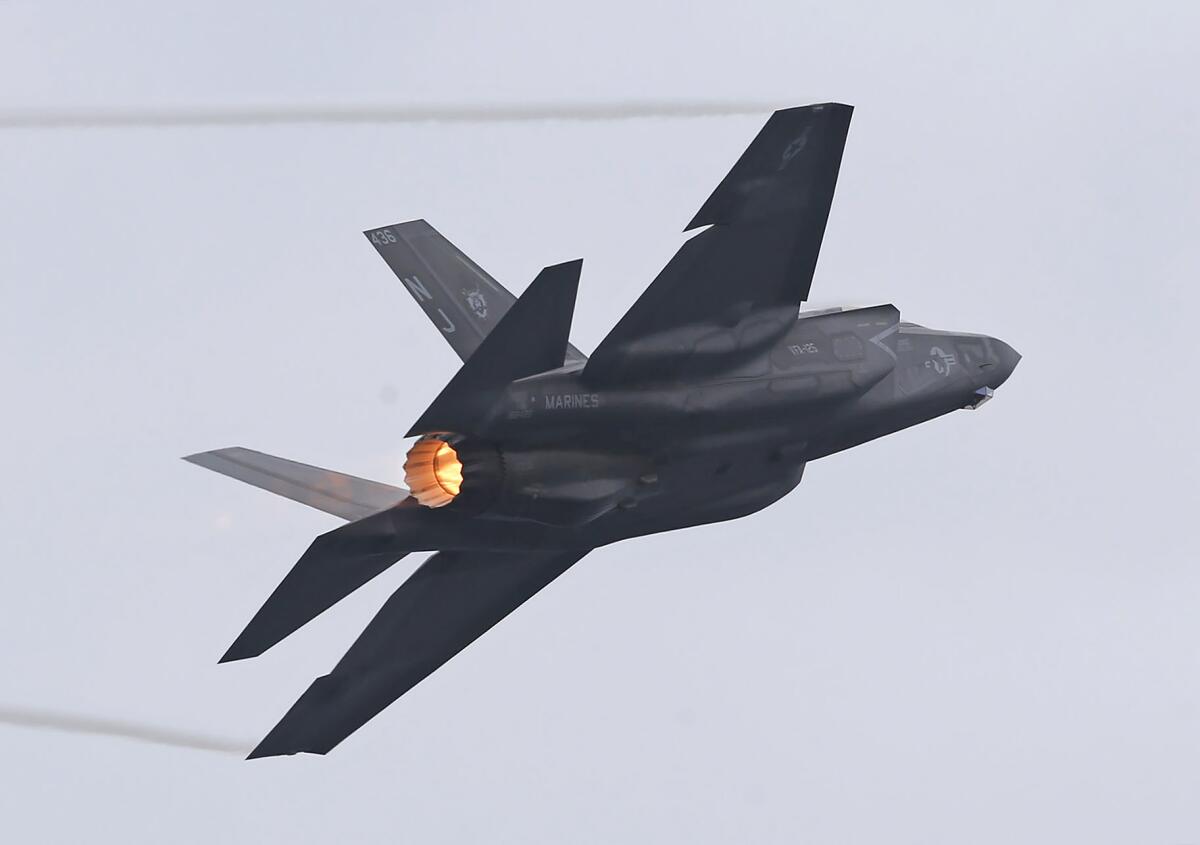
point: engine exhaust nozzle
(433, 472)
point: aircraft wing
(737, 286)
(342, 495)
(335, 565)
(441, 609)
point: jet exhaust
(433, 472)
(77, 723)
(551, 486)
(331, 114)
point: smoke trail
(282, 115)
(78, 724)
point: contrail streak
(149, 118)
(79, 724)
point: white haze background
(982, 630)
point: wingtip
(239, 651)
(271, 746)
(567, 271)
(816, 107)
(262, 751)
(259, 752)
(209, 455)
(416, 222)
(283, 741)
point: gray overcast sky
(982, 630)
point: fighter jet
(704, 403)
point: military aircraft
(704, 403)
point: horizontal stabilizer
(335, 565)
(332, 492)
(461, 299)
(441, 609)
(532, 338)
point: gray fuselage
(705, 451)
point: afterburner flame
(433, 472)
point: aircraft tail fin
(531, 339)
(461, 299)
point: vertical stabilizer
(461, 299)
(531, 339)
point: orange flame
(433, 472)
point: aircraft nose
(1007, 359)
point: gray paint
(703, 404)
(1027, 672)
